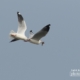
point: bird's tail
(10, 34)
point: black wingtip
(18, 12)
(20, 17)
(47, 27)
(13, 40)
(30, 30)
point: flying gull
(36, 38)
(20, 34)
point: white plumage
(36, 38)
(20, 34)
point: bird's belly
(21, 37)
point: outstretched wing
(42, 32)
(21, 24)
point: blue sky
(61, 51)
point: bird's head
(42, 43)
(30, 30)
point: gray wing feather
(42, 32)
(22, 24)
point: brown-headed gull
(36, 38)
(20, 34)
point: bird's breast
(22, 37)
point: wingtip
(20, 17)
(18, 13)
(49, 25)
(30, 30)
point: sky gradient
(61, 51)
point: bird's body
(18, 36)
(36, 38)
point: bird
(36, 38)
(20, 34)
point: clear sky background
(61, 51)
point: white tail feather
(10, 34)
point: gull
(36, 38)
(20, 34)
